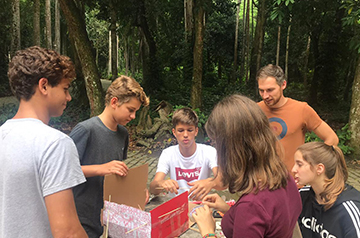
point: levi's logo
(187, 174)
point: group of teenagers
(51, 184)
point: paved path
(136, 158)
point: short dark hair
(186, 116)
(271, 70)
(28, 66)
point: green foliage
(7, 111)
(344, 135)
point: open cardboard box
(124, 202)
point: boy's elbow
(74, 230)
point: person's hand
(147, 196)
(204, 219)
(216, 202)
(113, 167)
(170, 185)
(200, 188)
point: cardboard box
(124, 218)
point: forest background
(194, 53)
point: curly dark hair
(28, 66)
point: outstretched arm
(64, 221)
(327, 134)
(159, 183)
(202, 187)
(112, 167)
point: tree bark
(354, 119)
(57, 40)
(247, 34)
(36, 23)
(307, 53)
(196, 88)
(278, 46)
(152, 81)
(256, 51)
(189, 20)
(110, 58)
(113, 55)
(15, 36)
(77, 32)
(235, 69)
(315, 80)
(48, 24)
(287, 52)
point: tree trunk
(152, 81)
(48, 24)
(233, 80)
(189, 20)
(247, 34)
(354, 119)
(256, 51)
(307, 53)
(287, 52)
(15, 36)
(110, 48)
(315, 80)
(278, 46)
(196, 88)
(77, 31)
(243, 61)
(57, 41)
(113, 55)
(36, 23)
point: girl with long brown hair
(250, 165)
(330, 206)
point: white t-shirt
(187, 169)
(36, 161)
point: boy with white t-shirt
(188, 164)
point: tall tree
(354, 120)
(188, 19)
(57, 40)
(196, 88)
(113, 38)
(36, 24)
(256, 51)
(236, 41)
(15, 36)
(48, 24)
(353, 19)
(82, 46)
(287, 50)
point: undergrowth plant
(344, 135)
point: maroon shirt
(265, 214)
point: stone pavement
(136, 158)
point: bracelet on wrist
(209, 235)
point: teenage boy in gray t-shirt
(39, 165)
(102, 142)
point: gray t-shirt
(36, 161)
(96, 144)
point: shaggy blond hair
(124, 88)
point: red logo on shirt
(187, 174)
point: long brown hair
(246, 146)
(335, 168)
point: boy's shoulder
(30, 127)
(205, 147)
